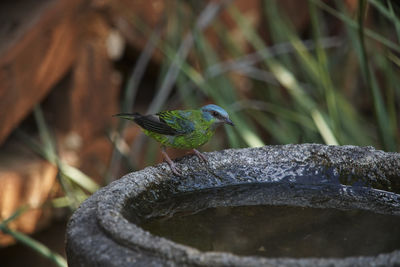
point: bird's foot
(174, 169)
(200, 155)
(171, 164)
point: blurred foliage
(75, 183)
(334, 83)
(41, 249)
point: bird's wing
(178, 120)
(166, 122)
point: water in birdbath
(276, 231)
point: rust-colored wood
(85, 104)
(25, 179)
(36, 56)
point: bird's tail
(128, 116)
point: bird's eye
(214, 113)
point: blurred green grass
(304, 94)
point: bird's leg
(200, 155)
(170, 162)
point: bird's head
(217, 114)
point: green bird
(183, 129)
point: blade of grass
(275, 128)
(69, 171)
(204, 19)
(285, 77)
(36, 246)
(395, 59)
(273, 51)
(51, 155)
(223, 93)
(277, 110)
(388, 12)
(323, 128)
(324, 77)
(391, 84)
(13, 216)
(30, 242)
(78, 177)
(37, 148)
(380, 110)
(47, 149)
(48, 146)
(395, 19)
(353, 24)
(129, 98)
(316, 68)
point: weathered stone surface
(100, 233)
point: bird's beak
(228, 121)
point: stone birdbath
(292, 205)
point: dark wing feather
(174, 122)
(152, 123)
(178, 119)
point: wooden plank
(39, 53)
(25, 179)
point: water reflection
(281, 231)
